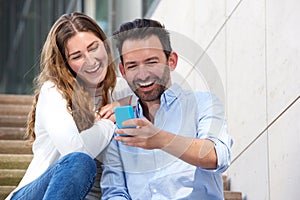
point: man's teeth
(93, 70)
(145, 84)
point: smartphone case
(123, 113)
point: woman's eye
(76, 57)
(94, 48)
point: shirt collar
(167, 98)
(171, 94)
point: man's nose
(143, 72)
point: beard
(158, 88)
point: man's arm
(198, 152)
(209, 149)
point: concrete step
(12, 121)
(5, 191)
(12, 133)
(14, 109)
(11, 177)
(15, 161)
(14, 147)
(229, 195)
(225, 182)
(16, 99)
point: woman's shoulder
(49, 88)
(48, 85)
(121, 89)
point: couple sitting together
(178, 146)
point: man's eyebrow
(76, 52)
(151, 58)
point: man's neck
(150, 109)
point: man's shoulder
(198, 94)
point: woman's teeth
(93, 70)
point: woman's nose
(89, 59)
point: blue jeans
(70, 178)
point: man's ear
(173, 58)
(121, 67)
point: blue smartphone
(123, 113)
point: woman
(77, 78)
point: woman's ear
(121, 67)
(173, 58)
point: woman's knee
(79, 160)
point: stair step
(15, 161)
(16, 99)
(15, 147)
(12, 133)
(14, 109)
(12, 121)
(229, 195)
(5, 191)
(225, 182)
(11, 177)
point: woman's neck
(95, 90)
(96, 94)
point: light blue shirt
(135, 173)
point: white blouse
(57, 134)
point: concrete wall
(255, 48)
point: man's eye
(152, 63)
(131, 66)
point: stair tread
(12, 133)
(13, 121)
(15, 161)
(16, 99)
(15, 147)
(14, 109)
(231, 195)
(11, 176)
(5, 191)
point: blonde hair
(54, 67)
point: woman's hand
(107, 111)
(97, 117)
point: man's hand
(145, 135)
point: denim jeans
(70, 178)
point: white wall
(255, 47)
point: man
(180, 145)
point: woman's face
(87, 56)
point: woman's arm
(58, 122)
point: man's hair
(141, 29)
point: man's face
(146, 68)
